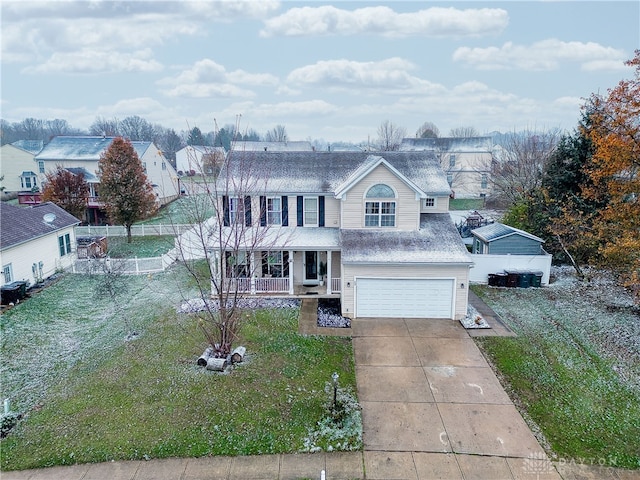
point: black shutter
(285, 211)
(285, 263)
(263, 211)
(265, 263)
(321, 211)
(225, 211)
(247, 211)
(300, 212)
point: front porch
(283, 287)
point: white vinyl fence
(124, 266)
(136, 230)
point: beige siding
(331, 212)
(441, 206)
(13, 162)
(458, 272)
(407, 206)
(45, 250)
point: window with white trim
(380, 213)
(28, 182)
(274, 211)
(450, 178)
(310, 211)
(7, 273)
(273, 264)
(64, 244)
(484, 181)
(41, 166)
(430, 202)
(236, 210)
(238, 264)
(452, 161)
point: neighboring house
(376, 227)
(19, 169)
(465, 160)
(82, 154)
(36, 242)
(199, 159)
(499, 248)
(255, 146)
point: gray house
(500, 239)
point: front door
(310, 266)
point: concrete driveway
(433, 408)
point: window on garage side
(379, 211)
(7, 273)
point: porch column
(329, 273)
(291, 272)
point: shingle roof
(495, 231)
(448, 144)
(21, 224)
(324, 172)
(88, 176)
(437, 241)
(253, 146)
(82, 148)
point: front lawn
(92, 396)
(574, 368)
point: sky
(331, 70)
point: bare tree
(137, 128)
(390, 136)
(224, 250)
(464, 132)
(428, 130)
(104, 126)
(276, 134)
(516, 170)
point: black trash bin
(492, 280)
(502, 279)
(513, 279)
(524, 280)
(10, 293)
(536, 279)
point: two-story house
(372, 230)
(81, 154)
(466, 162)
(18, 169)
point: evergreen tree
(124, 189)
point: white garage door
(404, 297)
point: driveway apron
(433, 408)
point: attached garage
(405, 297)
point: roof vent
(49, 218)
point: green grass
(141, 247)
(466, 203)
(183, 210)
(559, 377)
(112, 399)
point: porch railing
(336, 285)
(258, 285)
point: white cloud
(68, 30)
(89, 61)
(382, 20)
(390, 76)
(207, 78)
(543, 55)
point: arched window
(381, 190)
(380, 213)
